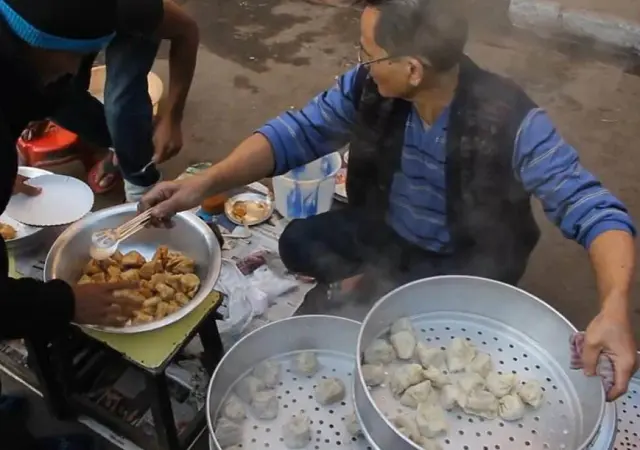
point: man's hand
(95, 304)
(171, 197)
(20, 186)
(167, 140)
(610, 331)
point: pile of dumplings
(257, 391)
(432, 381)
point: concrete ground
(260, 57)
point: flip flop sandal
(110, 171)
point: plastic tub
(307, 190)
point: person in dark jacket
(42, 43)
(444, 158)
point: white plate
(63, 200)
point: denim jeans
(125, 122)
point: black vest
(488, 211)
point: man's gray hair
(432, 30)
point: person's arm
(576, 201)
(182, 32)
(291, 140)
(586, 212)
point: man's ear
(415, 72)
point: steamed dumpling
(429, 356)
(402, 324)
(431, 420)
(511, 407)
(265, 405)
(379, 352)
(459, 353)
(269, 372)
(373, 374)
(352, 425)
(306, 363)
(451, 396)
(481, 403)
(404, 377)
(420, 393)
(406, 424)
(481, 364)
(436, 376)
(531, 393)
(427, 444)
(329, 391)
(470, 381)
(233, 409)
(248, 387)
(228, 433)
(501, 384)
(296, 432)
(404, 343)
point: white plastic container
(307, 190)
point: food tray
(189, 235)
(334, 341)
(248, 197)
(520, 332)
(628, 408)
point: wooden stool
(55, 147)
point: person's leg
(129, 111)
(328, 247)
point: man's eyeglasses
(363, 60)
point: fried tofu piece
(133, 260)
(117, 257)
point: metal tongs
(104, 243)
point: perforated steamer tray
(334, 340)
(628, 424)
(520, 332)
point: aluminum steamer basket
(628, 407)
(334, 341)
(521, 333)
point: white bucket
(307, 190)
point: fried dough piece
(158, 278)
(164, 291)
(153, 301)
(91, 268)
(174, 282)
(130, 275)
(190, 284)
(132, 260)
(149, 269)
(7, 232)
(140, 318)
(181, 265)
(161, 255)
(130, 294)
(99, 277)
(181, 298)
(162, 310)
(85, 279)
(117, 257)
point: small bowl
(248, 197)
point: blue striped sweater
(545, 164)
